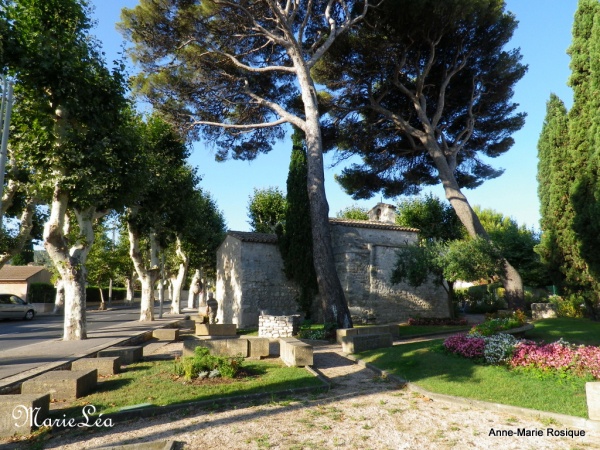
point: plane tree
(234, 73)
(71, 132)
(431, 83)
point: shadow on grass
(576, 331)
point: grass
(453, 375)
(412, 330)
(576, 331)
(152, 382)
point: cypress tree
(553, 186)
(295, 241)
(585, 141)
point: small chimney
(383, 212)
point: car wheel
(29, 314)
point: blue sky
(543, 35)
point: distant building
(17, 279)
(250, 276)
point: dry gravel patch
(361, 411)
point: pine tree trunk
(333, 300)
(511, 280)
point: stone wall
(250, 279)
(278, 326)
(365, 259)
(250, 276)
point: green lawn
(576, 331)
(453, 375)
(153, 382)
(412, 330)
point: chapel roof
(370, 224)
(250, 236)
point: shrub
(41, 293)
(570, 306)
(493, 326)
(191, 367)
(309, 331)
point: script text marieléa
(28, 416)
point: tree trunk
(70, 263)
(177, 281)
(194, 291)
(102, 302)
(511, 280)
(25, 226)
(147, 276)
(130, 286)
(59, 300)
(333, 300)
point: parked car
(13, 307)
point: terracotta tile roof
(249, 236)
(370, 224)
(18, 273)
(267, 238)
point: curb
(564, 419)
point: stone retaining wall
(278, 326)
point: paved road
(18, 333)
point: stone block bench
(592, 391)
(361, 342)
(62, 384)
(166, 334)
(393, 329)
(106, 365)
(216, 329)
(295, 353)
(128, 355)
(247, 346)
(20, 413)
(543, 311)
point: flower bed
(506, 349)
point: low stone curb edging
(527, 412)
(154, 445)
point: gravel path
(361, 411)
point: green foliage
(353, 212)
(435, 219)
(266, 209)
(203, 362)
(572, 306)
(295, 240)
(309, 330)
(395, 158)
(471, 260)
(41, 293)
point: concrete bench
(166, 334)
(128, 355)
(393, 329)
(20, 413)
(187, 324)
(359, 343)
(106, 365)
(295, 353)
(248, 347)
(62, 384)
(592, 391)
(216, 329)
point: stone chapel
(250, 277)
